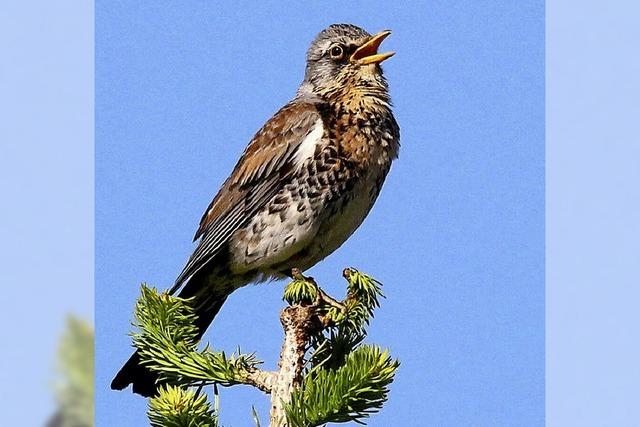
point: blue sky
(593, 197)
(46, 181)
(457, 235)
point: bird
(303, 185)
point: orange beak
(368, 52)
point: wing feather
(265, 166)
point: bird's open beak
(368, 52)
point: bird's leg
(296, 274)
(322, 296)
(289, 272)
(329, 300)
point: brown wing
(266, 164)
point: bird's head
(343, 60)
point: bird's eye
(336, 52)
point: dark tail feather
(144, 381)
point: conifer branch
(325, 374)
(167, 342)
(178, 407)
(351, 392)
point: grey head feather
(321, 71)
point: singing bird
(303, 185)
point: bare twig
(262, 380)
(298, 322)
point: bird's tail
(144, 381)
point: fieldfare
(303, 185)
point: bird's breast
(366, 136)
(337, 180)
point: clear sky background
(593, 203)
(457, 235)
(46, 183)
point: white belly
(338, 228)
(276, 243)
(272, 239)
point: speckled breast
(324, 203)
